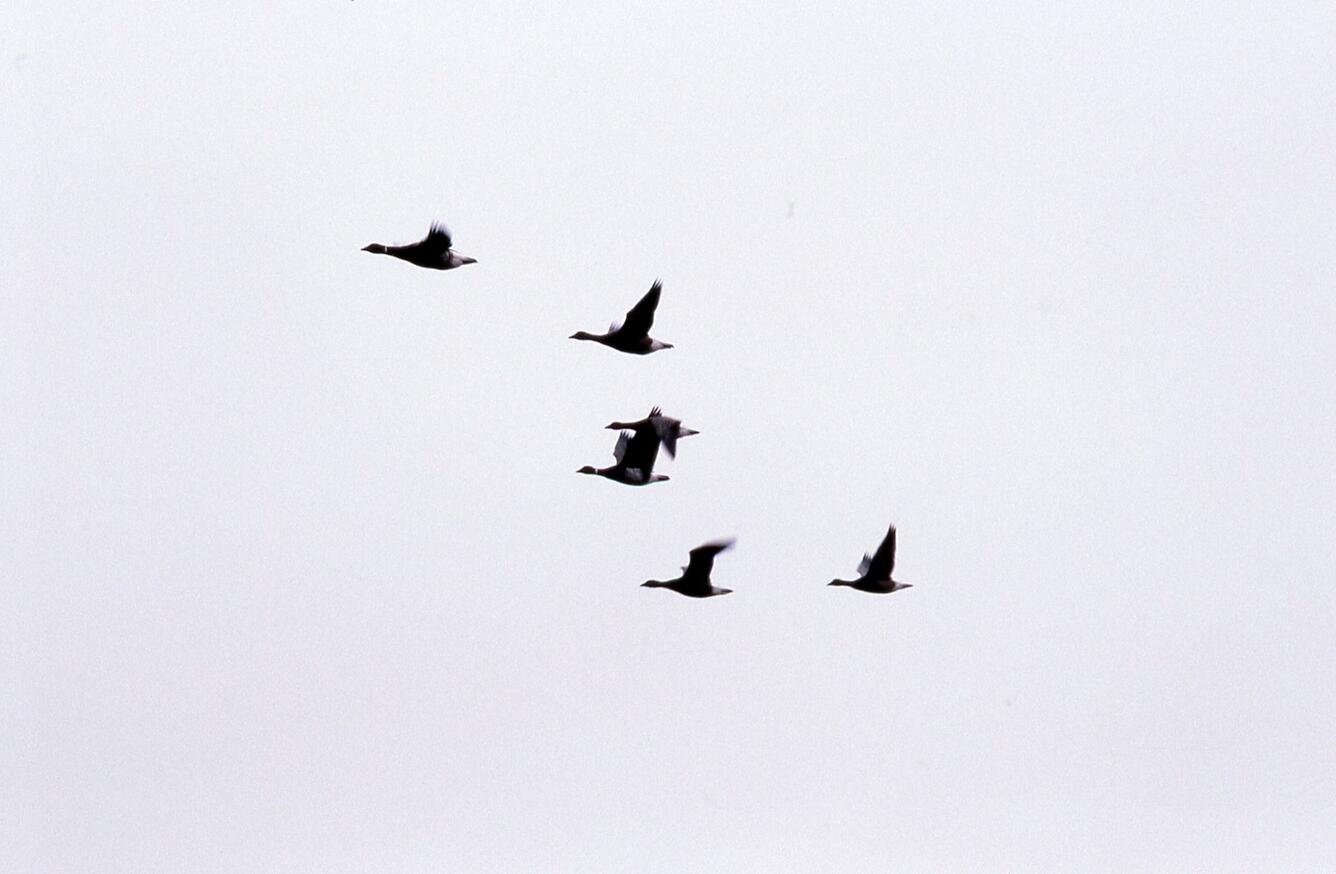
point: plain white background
(299, 576)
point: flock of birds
(638, 442)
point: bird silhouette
(695, 579)
(633, 334)
(431, 251)
(668, 429)
(874, 572)
(635, 454)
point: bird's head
(374, 247)
(588, 468)
(724, 592)
(838, 583)
(651, 584)
(463, 259)
(583, 335)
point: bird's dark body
(875, 570)
(636, 453)
(670, 430)
(432, 251)
(695, 579)
(632, 336)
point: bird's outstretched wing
(883, 562)
(667, 429)
(702, 561)
(643, 449)
(640, 318)
(619, 451)
(437, 240)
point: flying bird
(695, 579)
(668, 429)
(874, 573)
(633, 334)
(431, 251)
(635, 454)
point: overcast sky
(299, 575)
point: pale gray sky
(300, 575)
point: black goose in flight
(431, 251)
(633, 334)
(695, 579)
(668, 429)
(874, 573)
(635, 454)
